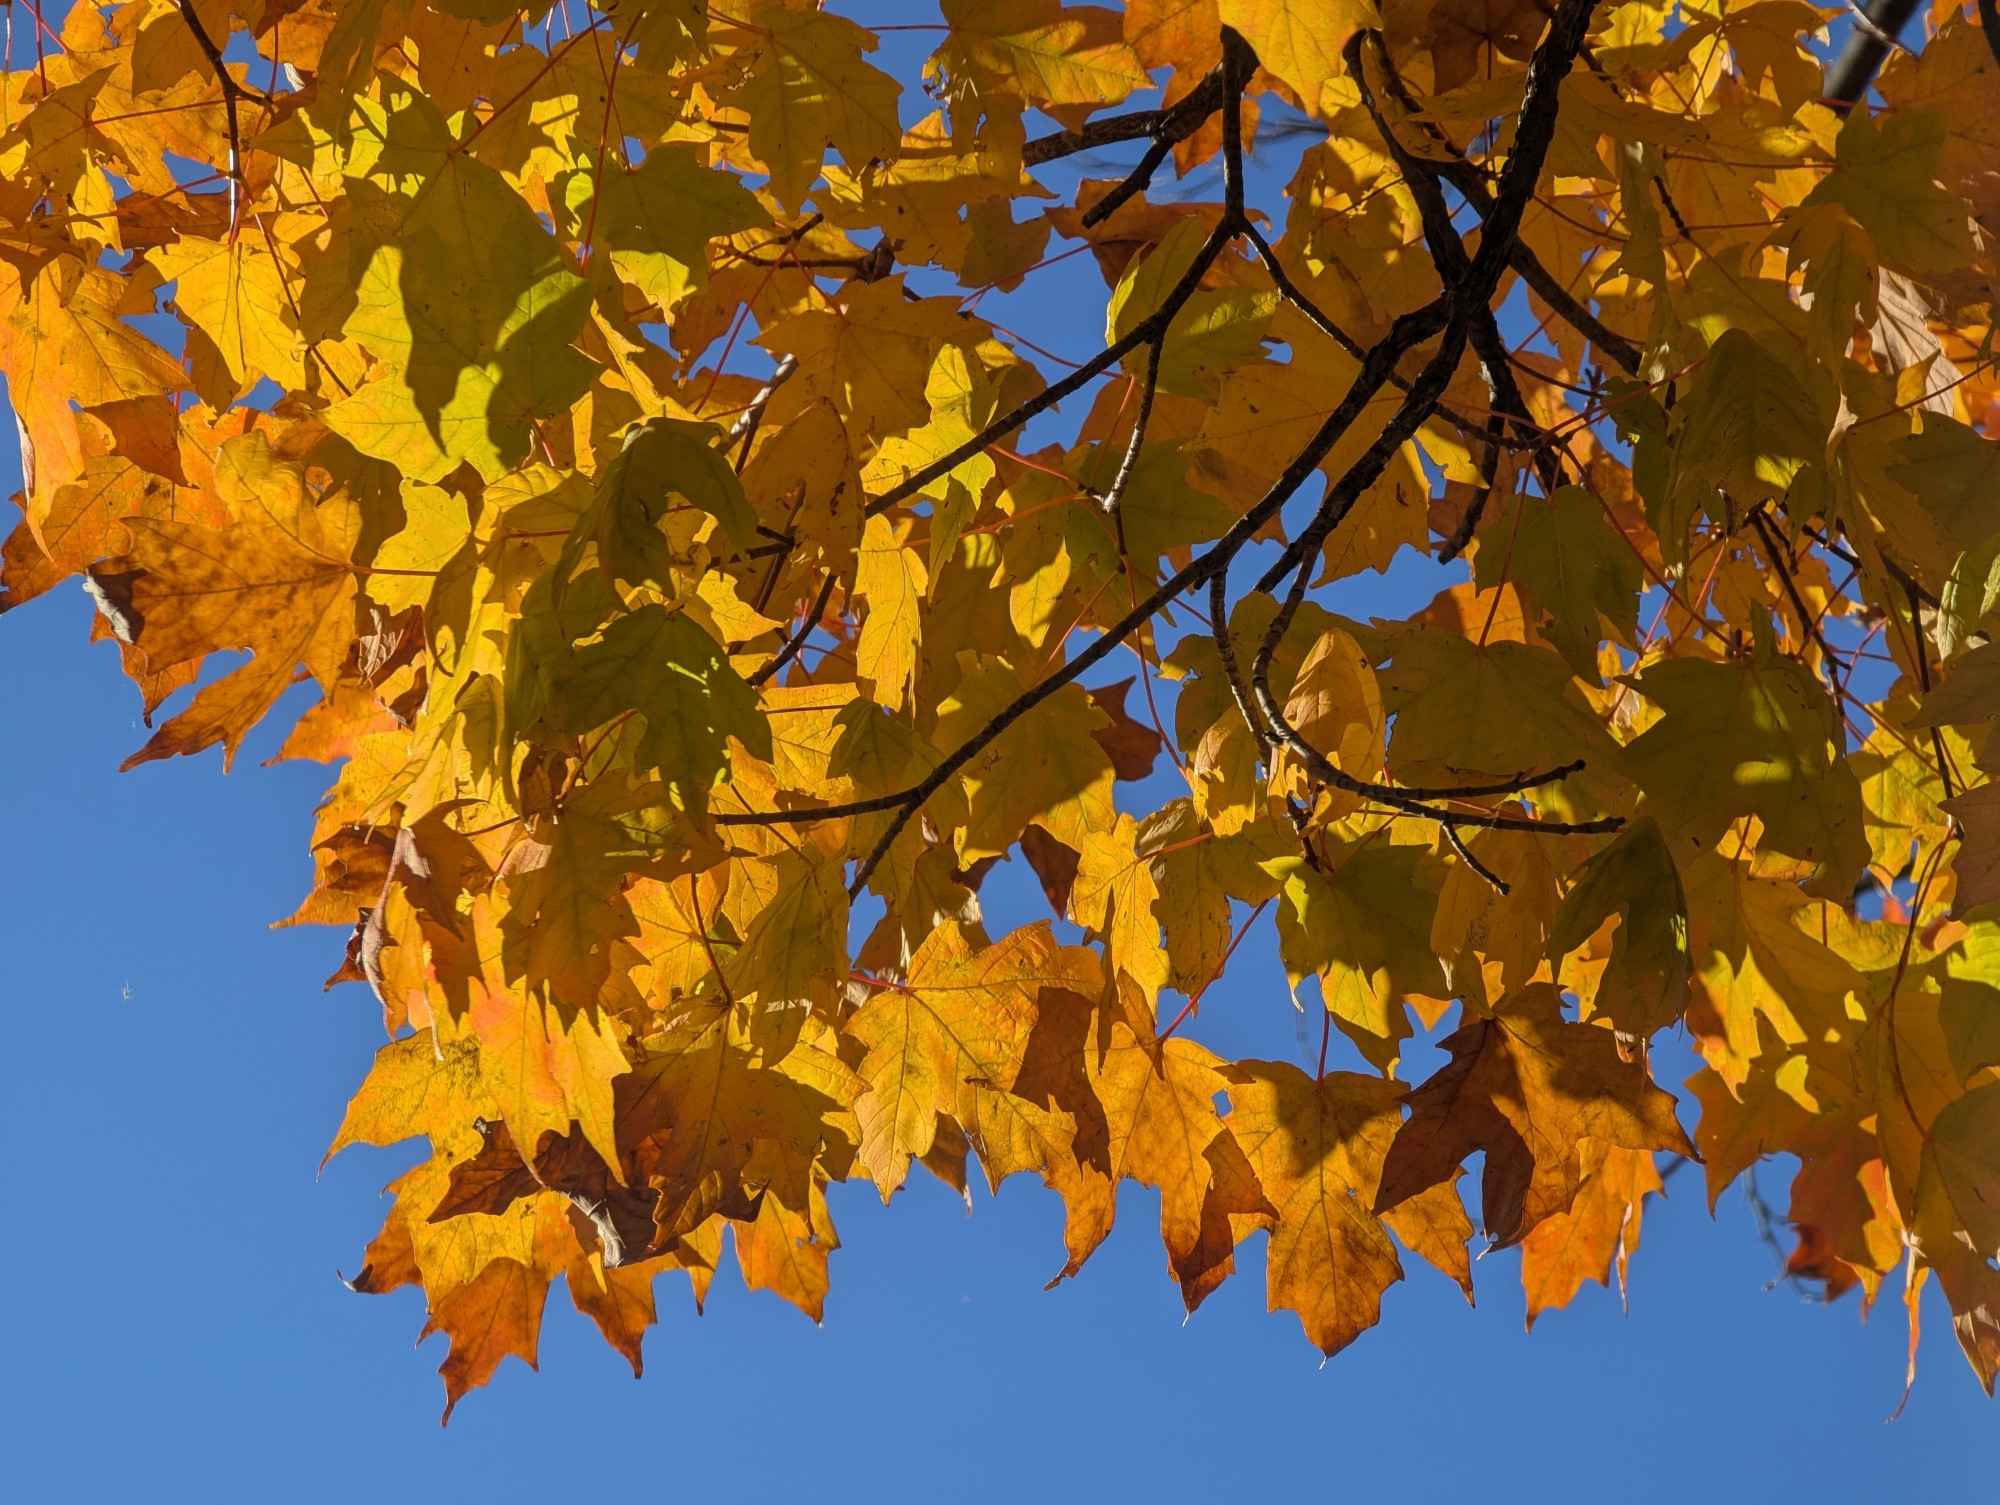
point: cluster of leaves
(653, 682)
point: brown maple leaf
(1525, 1087)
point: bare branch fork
(1423, 176)
(1451, 319)
(1471, 182)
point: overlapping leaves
(599, 409)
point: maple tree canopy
(595, 406)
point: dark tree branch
(814, 616)
(1901, 576)
(1238, 63)
(1409, 330)
(1854, 70)
(1137, 181)
(232, 91)
(1225, 650)
(1920, 650)
(1471, 181)
(1469, 524)
(1404, 802)
(1174, 123)
(1421, 175)
(1540, 100)
(1293, 294)
(1469, 290)
(1808, 624)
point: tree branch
(1116, 495)
(814, 615)
(1154, 324)
(745, 427)
(1291, 293)
(1225, 650)
(1408, 330)
(1499, 884)
(1136, 181)
(1469, 523)
(232, 91)
(1540, 100)
(1470, 181)
(1469, 291)
(1854, 70)
(1448, 252)
(1174, 123)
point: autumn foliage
(595, 406)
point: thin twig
(1225, 650)
(1499, 884)
(1920, 651)
(1140, 334)
(1111, 503)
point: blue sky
(174, 1328)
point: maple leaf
(1466, 37)
(1369, 955)
(666, 669)
(1644, 987)
(1048, 767)
(1526, 1087)
(1500, 709)
(237, 295)
(1570, 562)
(1886, 178)
(947, 1041)
(697, 1114)
(1978, 861)
(1143, 1109)
(1756, 956)
(809, 86)
(870, 355)
(1042, 52)
(472, 310)
(277, 582)
(1298, 40)
(1317, 1148)
(1595, 1236)
(893, 581)
(1748, 430)
(657, 219)
(1756, 737)
(64, 348)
